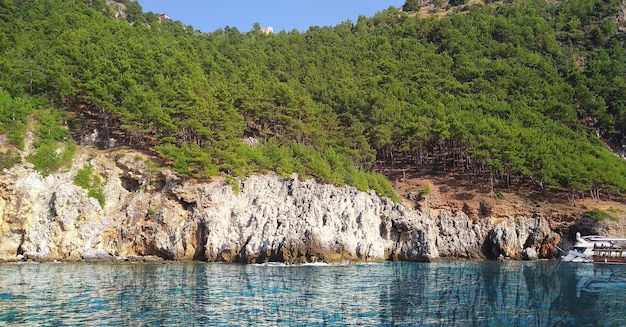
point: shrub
(98, 194)
(600, 215)
(54, 146)
(50, 156)
(382, 186)
(87, 178)
(411, 5)
(234, 183)
(9, 159)
(84, 177)
(14, 114)
(457, 2)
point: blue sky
(209, 15)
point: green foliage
(382, 186)
(98, 194)
(54, 148)
(411, 5)
(600, 215)
(457, 2)
(426, 190)
(88, 179)
(51, 156)
(514, 89)
(234, 183)
(9, 159)
(14, 114)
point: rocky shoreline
(151, 213)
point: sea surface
(457, 293)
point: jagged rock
(458, 236)
(413, 196)
(263, 218)
(118, 8)
(529, 254)
(89, 139)
(135, 172)
(36, 256)
(484, 209)
(273, 219)
(511, 238)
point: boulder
(530, 254)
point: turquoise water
(461, 293)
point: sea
(450, 293)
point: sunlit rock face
(532, 235)
(149, 213)
(291, 220)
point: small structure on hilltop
(163, 17)
(267, 30)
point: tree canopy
(527, 90)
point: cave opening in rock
(130, 184)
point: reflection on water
(437, 294)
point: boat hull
(609, 255)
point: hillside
(525, 96)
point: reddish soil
(460, 192)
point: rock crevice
(263, 218)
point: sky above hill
(210, 15)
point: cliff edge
(150, 212)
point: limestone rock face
(511, 239)
(529, 254)
(458, 236)
(148, 213)
(295, 221)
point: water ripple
(398, 294)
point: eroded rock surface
(262, 218)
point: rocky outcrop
(515, 239)
(262, 218)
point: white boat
(599, 249)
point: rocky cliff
(153, 213)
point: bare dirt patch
(475, 197)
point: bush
(457, 2)
(14, 114)
(600, 215)
(382, 186)
(234, 184)
(84, 178)
(98, 194)
(50, 156)
(411, 5)
(9, 159)
(89, 180)
(54, 146)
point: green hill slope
(522, 91)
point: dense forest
(524, 91)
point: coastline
(152, 213)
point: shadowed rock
(269, 218)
